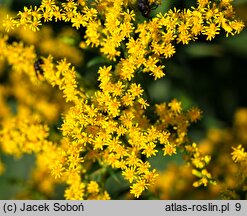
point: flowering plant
(83, 134)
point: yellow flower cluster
(232, 162)
(58, 43)
(147, 44)
(199, 162)
(239, 154)
(227, 148)
(23, 135)
(115, 127)
(110, 126)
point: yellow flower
(211, 30)
(239, 154)
(169, 50)
(129, 174)
(149, 149)
(47, 5)
(57, 169)
(93, 187)
(9, 23)
(175, 106)
(143, 103)
(194, 114)
(137, 188)
(75, 191)
(169, 149)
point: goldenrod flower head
(239, 154)
(175, 106)
(93, 187)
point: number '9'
(238, 206)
